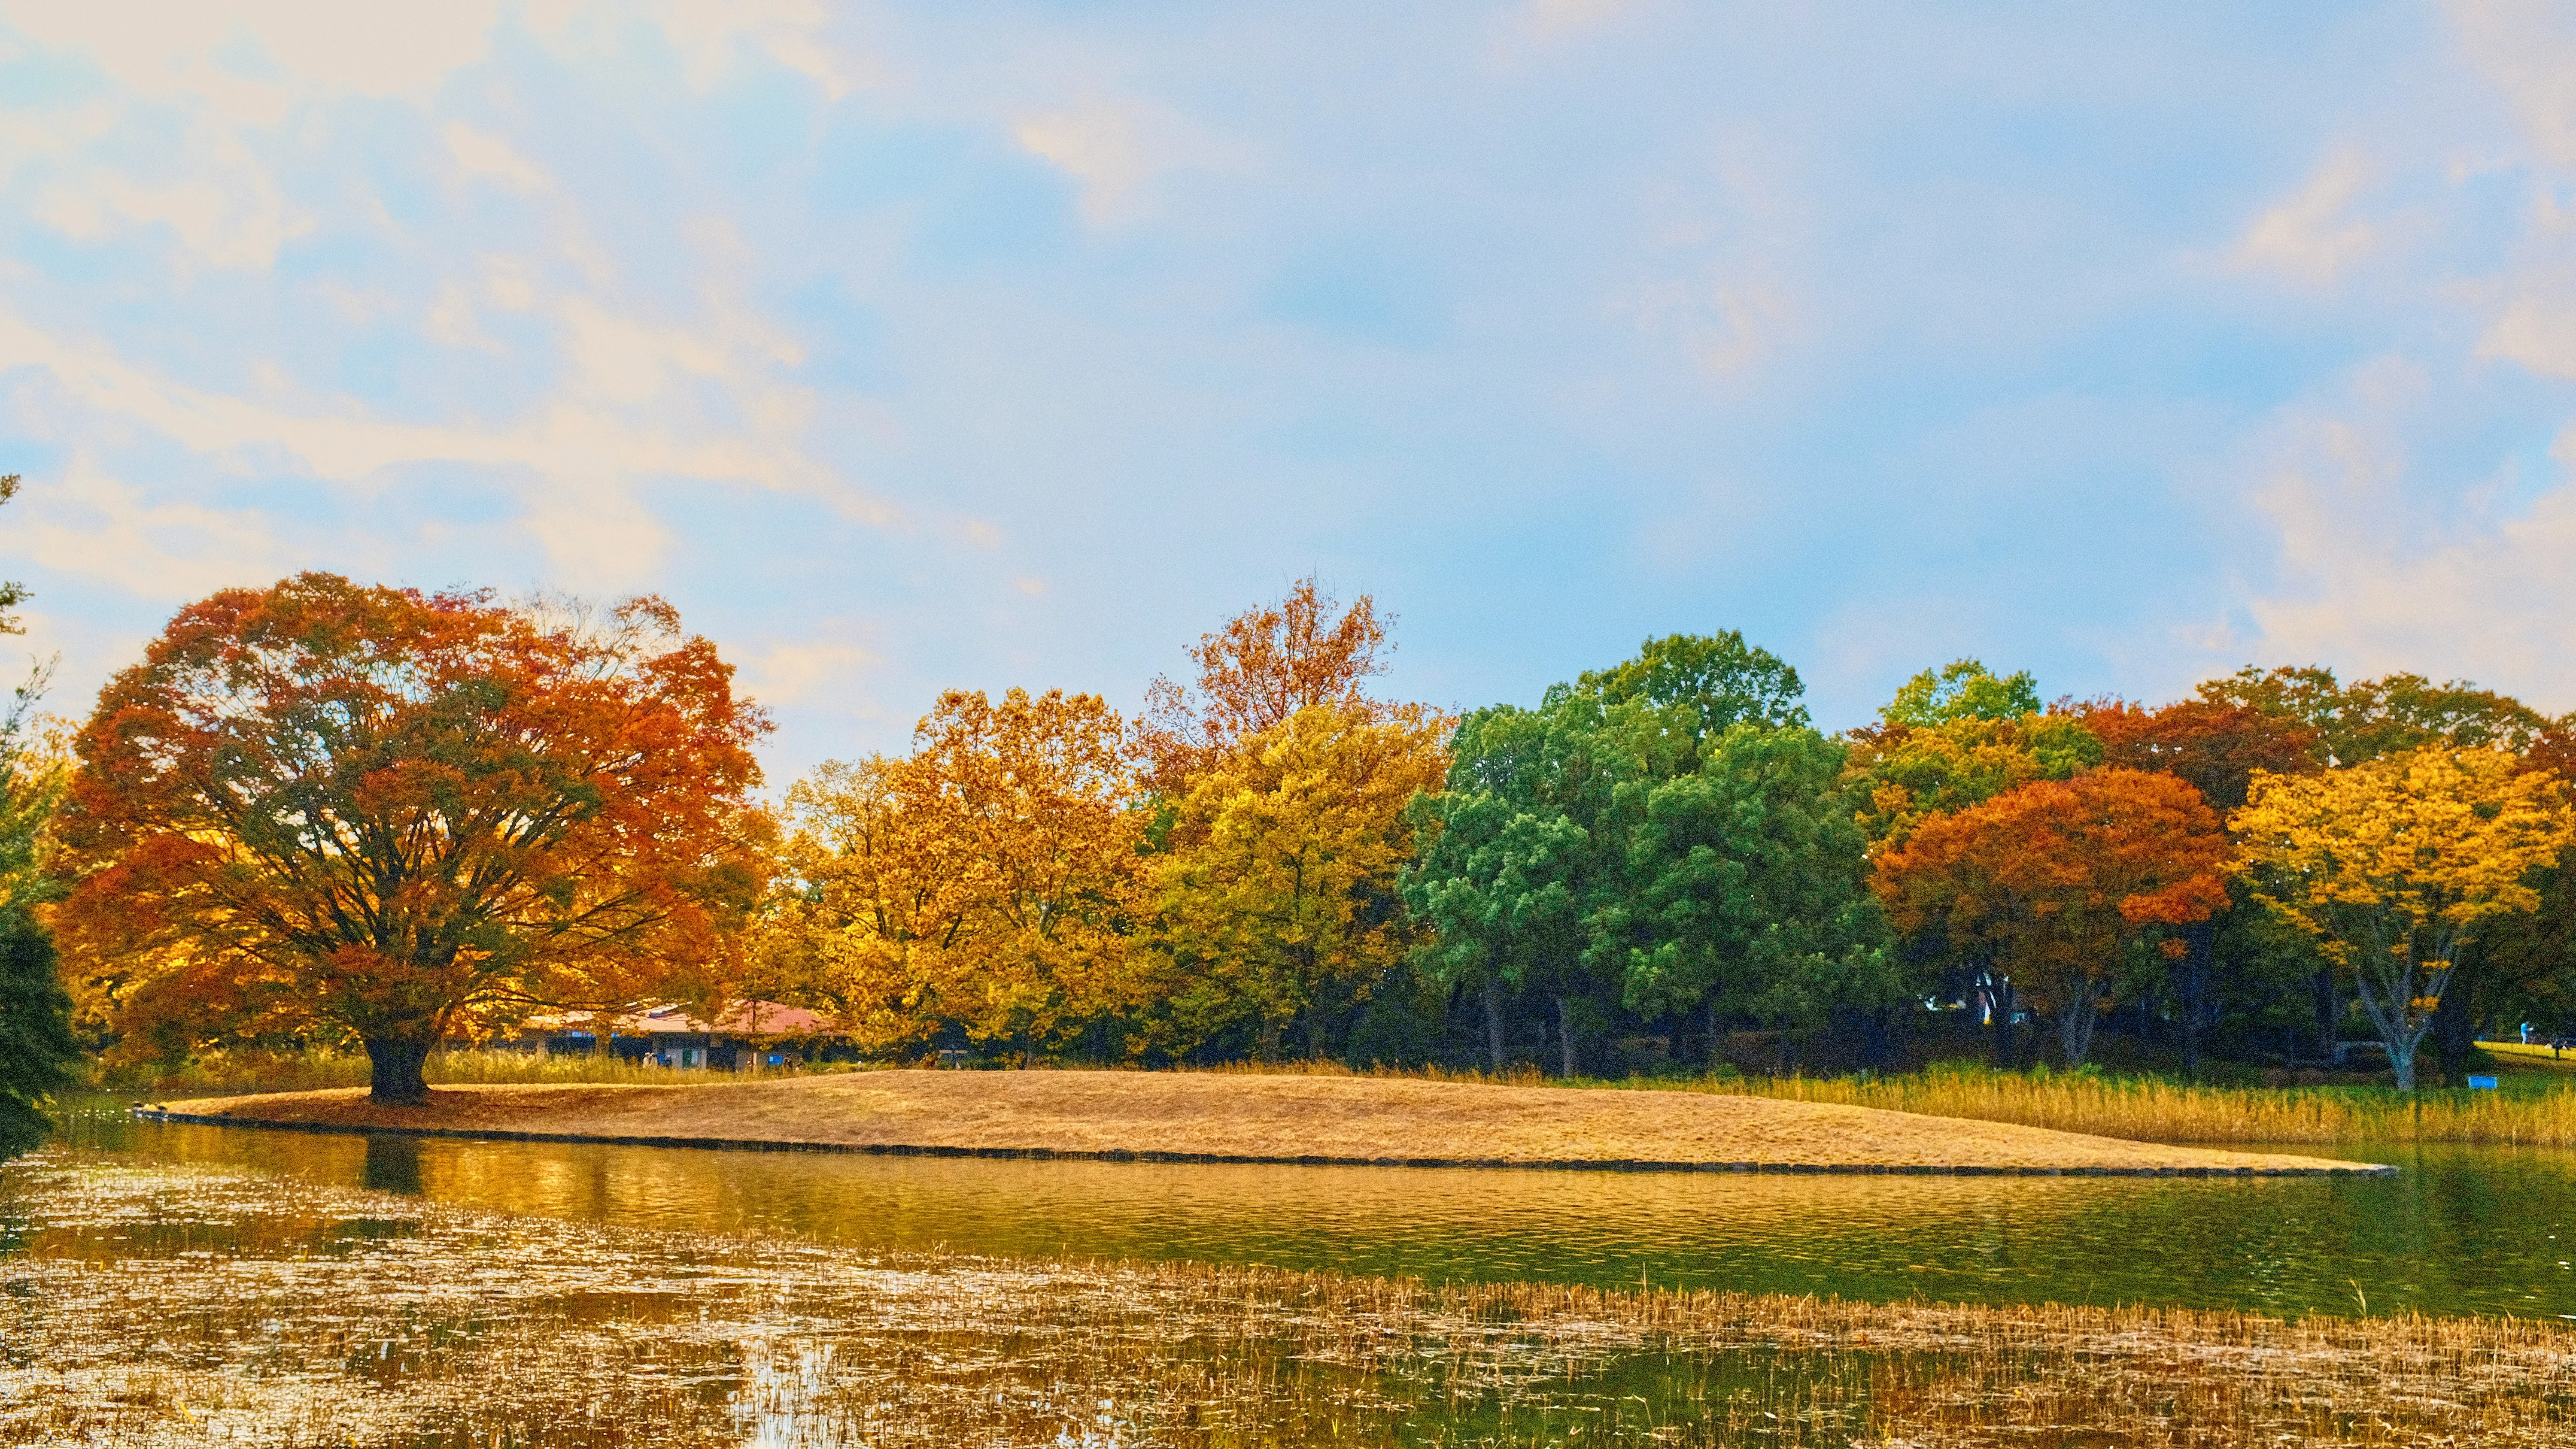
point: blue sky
(907, 346)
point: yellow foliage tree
(989, 879)
(2392, 865)
(1282, 874)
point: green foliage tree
(2370, 718)
(1961, 689)
(1717, 678)
(1750, 895)
(37, 1051)
(1525, 877)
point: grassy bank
(1244, 1116)
(151, 1306)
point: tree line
(332, 812)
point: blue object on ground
(2482, 1084)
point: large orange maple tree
(328, 808)
(2046, 885)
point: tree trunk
(2200, 943)
(394, 1074)
(1494, 1022)
(1565, 1030)
(1269, 1042)
(1999, 1002)
(2329, 1001)
(2075, 1027)
(2455, 1025)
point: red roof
(742, 1018)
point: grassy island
(1248, 1117)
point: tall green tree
(1751, 895)
(1525, 877)
(1961, 689)
(1718, 679)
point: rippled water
(2459, 1230)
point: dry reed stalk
(179, 1306)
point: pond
(2459, 1230)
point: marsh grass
(153, 1306)
(2538, 1112)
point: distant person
(2526, 1033)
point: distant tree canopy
(335, 808)
(327, 811)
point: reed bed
(2144, 1109)
(2159, 1110)
(152, 1306)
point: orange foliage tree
(2047, 884)
(990, 879)
(1262, 667)
(2217, 743)
(326, 808)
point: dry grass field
(1251, 1116)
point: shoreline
(1246, 1120)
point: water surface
(2458, 1230)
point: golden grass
(2529, 1113)
(1240, 1115)
(2164, 1111)
(2145, 1109)
(159, 1306)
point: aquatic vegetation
(158, 1305)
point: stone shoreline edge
(1055, 1154)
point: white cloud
(618, 422)
(1119, 150)
(171, 48)
(1726, 326)
(787, 673)
(87, 524)
(2372, 580)
(2312, 235)
(239, 221)
(791, 33)
(2529, 48)
(1536, 26)
(480, 155)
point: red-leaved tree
(2047, 884)
(335, 809)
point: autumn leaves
(1041, 876)
(332, 812)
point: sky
(911, 346)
